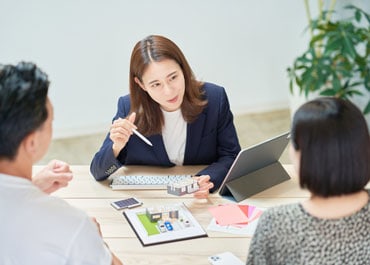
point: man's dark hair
(23, 95)
(334, 142)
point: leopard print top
(289, 235)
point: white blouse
(174, 135)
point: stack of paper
(235, 218)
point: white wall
(85, 46)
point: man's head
(25, 111)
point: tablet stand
(256, 181)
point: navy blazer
(211, 140)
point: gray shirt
(289, 235)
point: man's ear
(137, 81)
(30, 144)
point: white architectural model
(183, 187)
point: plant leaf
(367, 108)
(328, 92)
(358, 15)
(336, 83)
(367, 16)
(353, 92)
(348, 45)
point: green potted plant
(337, 61)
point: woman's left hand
(204, 186)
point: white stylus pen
(142, 137)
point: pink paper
(244, 208)
(256, 213)
(251, 210)
(228, 214)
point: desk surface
(95, 198)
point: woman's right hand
(120, 132)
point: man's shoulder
(37, 205)
(58, 206)
(47, 221)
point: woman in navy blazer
(162, 85)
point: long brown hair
(149, 117)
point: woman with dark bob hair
(188, 122)
(330, 150)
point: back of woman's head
(333, 139)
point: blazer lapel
(159, 150)
(194, 135)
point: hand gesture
(54, 176)
(120, 132)
(204, 186)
